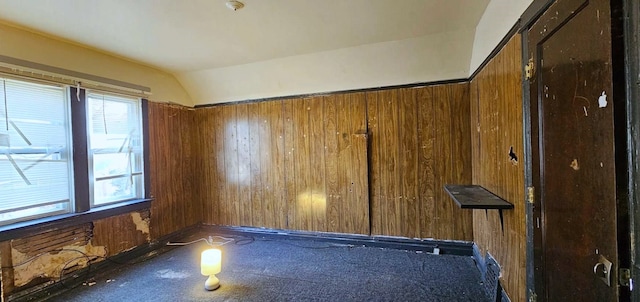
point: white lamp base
(212, 283)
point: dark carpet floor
(262, 269)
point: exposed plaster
(51, 264)
(142, 224)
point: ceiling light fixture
(234, 5)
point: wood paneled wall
(496, 111)
(174, 208)
(306, 164)
(367, 163)
(287, 164)
(173, 169)
(419, 143)
(123, 232)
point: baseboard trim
(150, 250)
(448, 247)
(73, 279)
(481, 264)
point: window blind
(35, 165)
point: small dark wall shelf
(477, 197)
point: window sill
(52, 223)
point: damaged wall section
(123, 232)
(46, 258)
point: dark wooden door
(573, 152)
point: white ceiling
(190, 35)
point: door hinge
(625, 278)
(530, 195)
(529, 69)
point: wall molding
(309, 95)
(448, 247)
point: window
(41, 175)
(35, 170)
(115, 148)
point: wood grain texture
(359, 164)
(315, 107)
(460, 156)
(323, 152)
(443, 164)
(231, 170)
(244, 166)
(408, 154)
(374, 164)
(277, 172)
(302, 169)
(496, 106)
(53, 240)
(258, 129)
(419, 143)
(331, 134)
(290, 164)
(389, 174)
(122, 232)
(172, 168)
(574, 135)
(426, 161)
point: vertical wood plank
(374, 163)
(290, 163)
(331, 134)
(303, 197)
(394, 215)
(461, 155)
(257, 130)
(277, 151)
(231, 168)
(221, 211)
(444, 209)
(345, 187)
(408, 174)
(426, 163)
(209, 188)
(475, 127)
(359, 202)
(318, 196)
(177, 216)
(200, 152)
(244, 166)
(269, 197)
(187, 167)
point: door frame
(631, 12)
(528, 18)
(625, 49)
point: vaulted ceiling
(202, 42)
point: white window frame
(136, 177)
(80, 205)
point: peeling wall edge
(49, 290)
